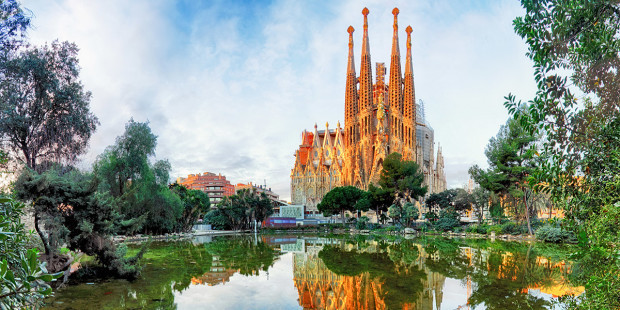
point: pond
(335, 272)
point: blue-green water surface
(335, 272)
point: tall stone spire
(409, 96)
(395, 71)
(365, 92)
(350, 101)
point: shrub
(23, 279)
(477, 229)
(512, 228)
(446, 223)
(494, 228)
(554, 234)
(372, 226)
(362, 223)
(424, 226)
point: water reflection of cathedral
(320, 288)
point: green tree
(408, 213)
(76, 215)
(339, 200)
(44, 110)
(441, 200)
(575, 48)
(239, 211)
(480, 202)
(379, 199)
(463, 200)
(403, 180)
(23, 279)
(195, 202)
(139, 188)
(511, 164)
(448, 219)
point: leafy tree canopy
(239, 211)
(139, 188)
(74, 214)
(341, 199)
(575, 48)
(511, 157)
(13, 25)
(195, 204)
(402, 178)
(442, 200)
(44, 110)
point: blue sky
(228, 86)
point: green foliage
(406, 214)
(554, 234)
(23, 279)
(480, 202)
(477, 228)
(13, 25)
(431, 216)
(511, 162)
(218, 219)
(448, 220)
(195, 205)
(512, 228)
(44, 110)
(380, 199)
(441, 200)
(463, 200)
(341, 199)
(497, 229)
(497, 211)
(403, 179)
(74, 213)
(140, 188)
(240, 211)
(575, 48)
(362, 223)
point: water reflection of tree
(501, 272)
(400, 279)
(169, 267)
(244, 254)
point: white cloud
(228, 89)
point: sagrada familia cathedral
(380, 118)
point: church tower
(364, 158)
(395, 92)
(351, 111)
(409, 113)
(379, 119)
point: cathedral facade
(380, 118)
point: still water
(335, 272)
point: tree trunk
(527, 213)
(44, 239)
